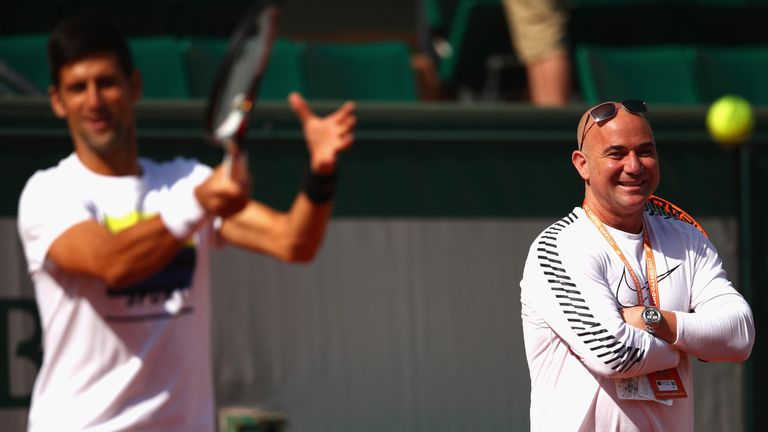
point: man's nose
(632, 163)
(93, 95)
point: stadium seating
(183, 68)
(363, 71)
(658, 74)
(735, 70)
(284, 74)
(723, 2)
(286, 71)
(202, 56)
(477, 30)
(162, 67)
(376, 71)
(611, 3)
(661, 51)
(685, 75)
(26, 55)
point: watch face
(651, 315)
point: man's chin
(635, 201)
(103, 145)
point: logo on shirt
(627, 292)
(168, 288)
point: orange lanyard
(650, 262)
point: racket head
(239, 76)
(657, 205)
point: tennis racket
(659, 206)
(238, 78)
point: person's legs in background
(538, 30)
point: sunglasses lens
(635, 106)
(607, 110)
(602, 112)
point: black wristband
(320, 188)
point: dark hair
(84, 35)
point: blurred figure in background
(117, 246)
(538, 31)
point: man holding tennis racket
(618, 299)
(117, 247)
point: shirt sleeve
(564, 288)
(720, 326)
(197, 174)
(47, 208)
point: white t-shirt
(134, 358)
(577, 344)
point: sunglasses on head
(607, 111)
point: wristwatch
(652, 318)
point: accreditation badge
(638, 388)
(667, 384)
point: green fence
(445, 160)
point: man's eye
(76, 88)
(106, 82)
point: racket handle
(236, 165)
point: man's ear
(137, 85)
(580, 162)
(55, 99)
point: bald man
(616, 300)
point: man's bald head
(618, 163)
(603, 113)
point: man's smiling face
(620, 166)
(97, 101)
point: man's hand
(227, 190)
(633, 316)
(666, 330)
(326, 136)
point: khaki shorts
(538, 27)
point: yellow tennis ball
(730, 120)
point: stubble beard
(107, 143)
